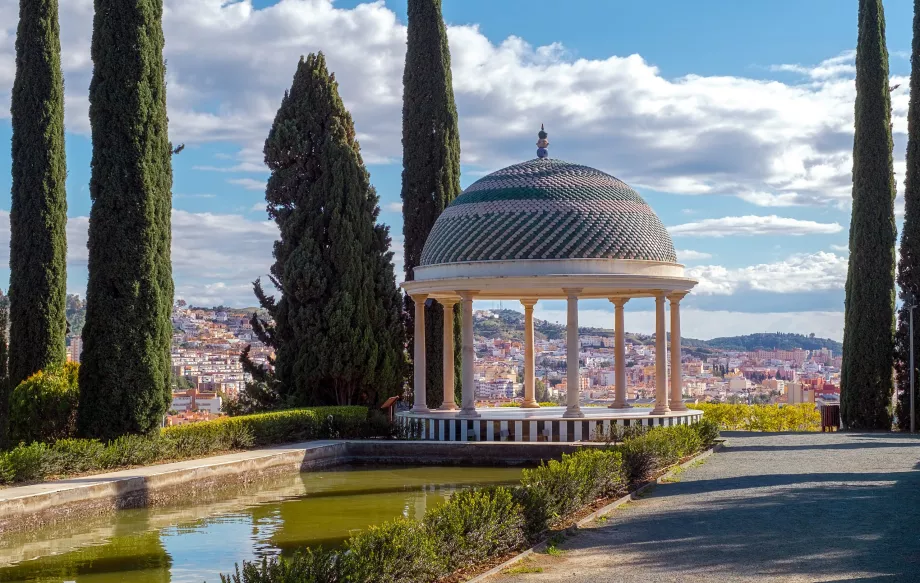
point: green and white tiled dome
(548, 209)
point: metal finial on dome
(542, 144)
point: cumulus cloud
(248, 183)
(772, 143)
(753, 225)
(690, 255)
(804, 272)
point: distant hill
(509, 324)
(768, 341)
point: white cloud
(690, 255)
(753, 225)
(841, 248)
(248, 183)
(819, 271)
(393, 207)
(773, 143)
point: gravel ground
(768, 507)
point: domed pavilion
(547, 229)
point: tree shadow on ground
(851, 525)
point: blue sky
(732, 119)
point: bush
(306, 566)
(44, 406)
(740, 417)
(555, 489)
(708, 430)
(474, 525)
(72, 456)
(398, 551)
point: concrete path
(768, 507)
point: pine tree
(337, 328)
(868, 345)
(38, 212)
(431, 168)
(909, 263)
(125, 368)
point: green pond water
(196, 543)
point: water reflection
(195, 543)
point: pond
(196, 543)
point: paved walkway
(768, 507)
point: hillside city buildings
(207, 370)
(762, 376)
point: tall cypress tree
(431, 167)
(337, 328)
(868, 347)
(38, 215)
(125, 366)
(909, 262)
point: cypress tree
(125, 366)
(38, 212)
(337, 328)
(909, 261)
(868, 343)
(431, 168)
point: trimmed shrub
(558, 488)
(708, 430)
(399, 551)
(474, 525)
(72, 456)
(44, 406)
(741, 417)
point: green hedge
(475, 525)
(740, 417)
(38, 461)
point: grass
(522, 570)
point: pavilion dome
(548, 209)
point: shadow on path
(844, 516)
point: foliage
(475, 525)
(125, 365)
(38, 211)
(44, 406)
(73, 456)
(868, 344)
(307, 566)
(431, 169)
(909, 261)
(337, 328)
(76, 314)
(740, 417)
(557, 488)
(398, 551)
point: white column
(469, 355)
(448, 404)
(677, 383)
(619, 401)
(530, 401)
(661, 358)
(419, 361)
(572, 381)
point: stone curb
(541, 546)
